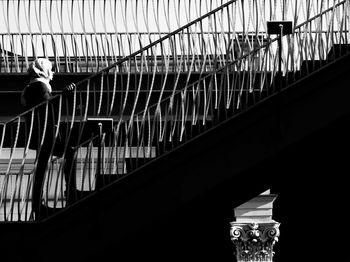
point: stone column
(254, 232)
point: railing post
(99, 148)
(280, 56)
(99, 127)
(279, 28)
(254, 233)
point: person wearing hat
(41, 133)
(39, 89)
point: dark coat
(32, 95)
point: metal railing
(150, 118)
(86, 36)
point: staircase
(167, 206)
(212, 139)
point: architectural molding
(254, 241)
(254, 233)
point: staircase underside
(180, 205)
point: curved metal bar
(156, 110)
(98, 45)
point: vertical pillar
(254, 233)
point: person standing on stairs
(36, 92)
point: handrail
(188, 112)
(85, 22)
(77, 47)
(167, 116)
(266, 45)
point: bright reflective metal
(159, 97)
(86, 36)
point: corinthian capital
(254, 241)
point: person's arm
(45, 94)
(68, 89)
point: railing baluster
(226, 51)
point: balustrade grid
(86, 36)
(200, 105)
